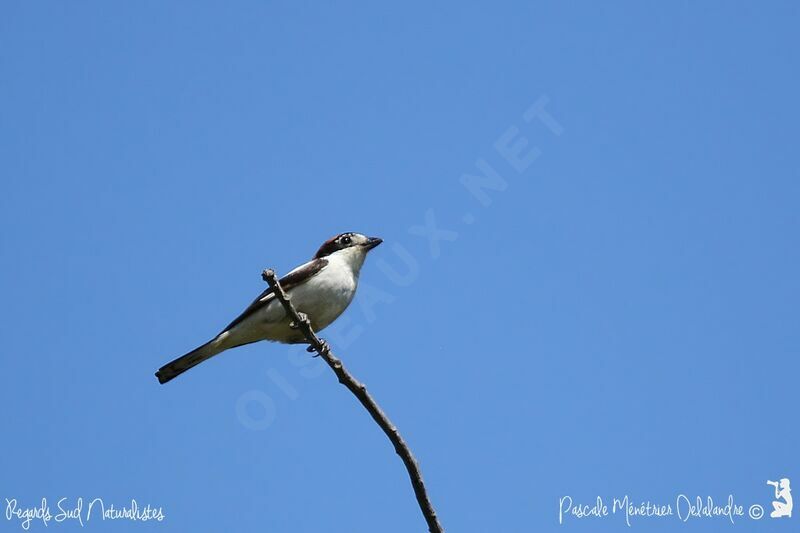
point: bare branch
(360, 391)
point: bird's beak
(372, 242)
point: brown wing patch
(292, 279)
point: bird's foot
(303, 318)
(317, 353)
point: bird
(321, 289)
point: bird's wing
(294, 278)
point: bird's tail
(183, 363)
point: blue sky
(621, 318)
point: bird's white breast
(325, 296)
(322, 298)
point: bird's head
(349, 245)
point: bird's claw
(313, 349)
(303, 318)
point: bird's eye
(346, 240)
